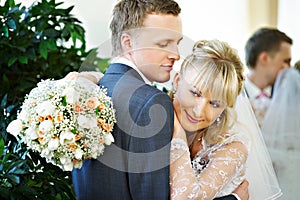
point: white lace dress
(214, 171)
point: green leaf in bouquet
(64, 101)
(74, 130)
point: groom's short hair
(130, 14)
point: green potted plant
(39, 42)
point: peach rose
(59, 118)
(107, 127)
(101, 106)
(77, 108)
(92, 103)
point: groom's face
(154, 48)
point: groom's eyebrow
(179, 40)
(171, 40)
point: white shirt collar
(253, 91)
(127, 62)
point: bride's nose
(200, 106)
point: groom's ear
(126, 42)
(263, 58)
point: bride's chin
(190, 132)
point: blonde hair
(130, 14)
(220, 72)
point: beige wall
(288, 21)
(231, 20)
(262, 13)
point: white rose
(23, 115)
(68, 166)
(85, 122)
(45, 153)
(67, 138)
(53, 144)
(108, 139)
(71, 95)
(96, 150)
(63, 160)
(46, 126)
(78, 164)
(31, 133)
(45, 108)
(78, 154)
(49, 158)
(94, 154)
(15, 127)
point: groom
(145, 35)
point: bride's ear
(176, 80)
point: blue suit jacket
(136, 165)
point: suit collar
(119, 68)
(125, 61)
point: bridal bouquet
(66, 121)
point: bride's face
(195, 110)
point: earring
(172, 93)
(218, 120)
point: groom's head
(147, 33)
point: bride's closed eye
(213, 103)
(196, 93)
(217, 104)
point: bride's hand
(242, 190)
(178, 130)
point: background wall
(232, 21)
(288, 21)
(215, 19)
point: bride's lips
(191, 119)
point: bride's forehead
(198, 79)
(209, 86)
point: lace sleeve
(224, 163)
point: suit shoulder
(151, 92)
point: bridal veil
(263, 184)
(281, 131)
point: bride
(209, 150)
(212, 152)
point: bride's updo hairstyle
(219, 75)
